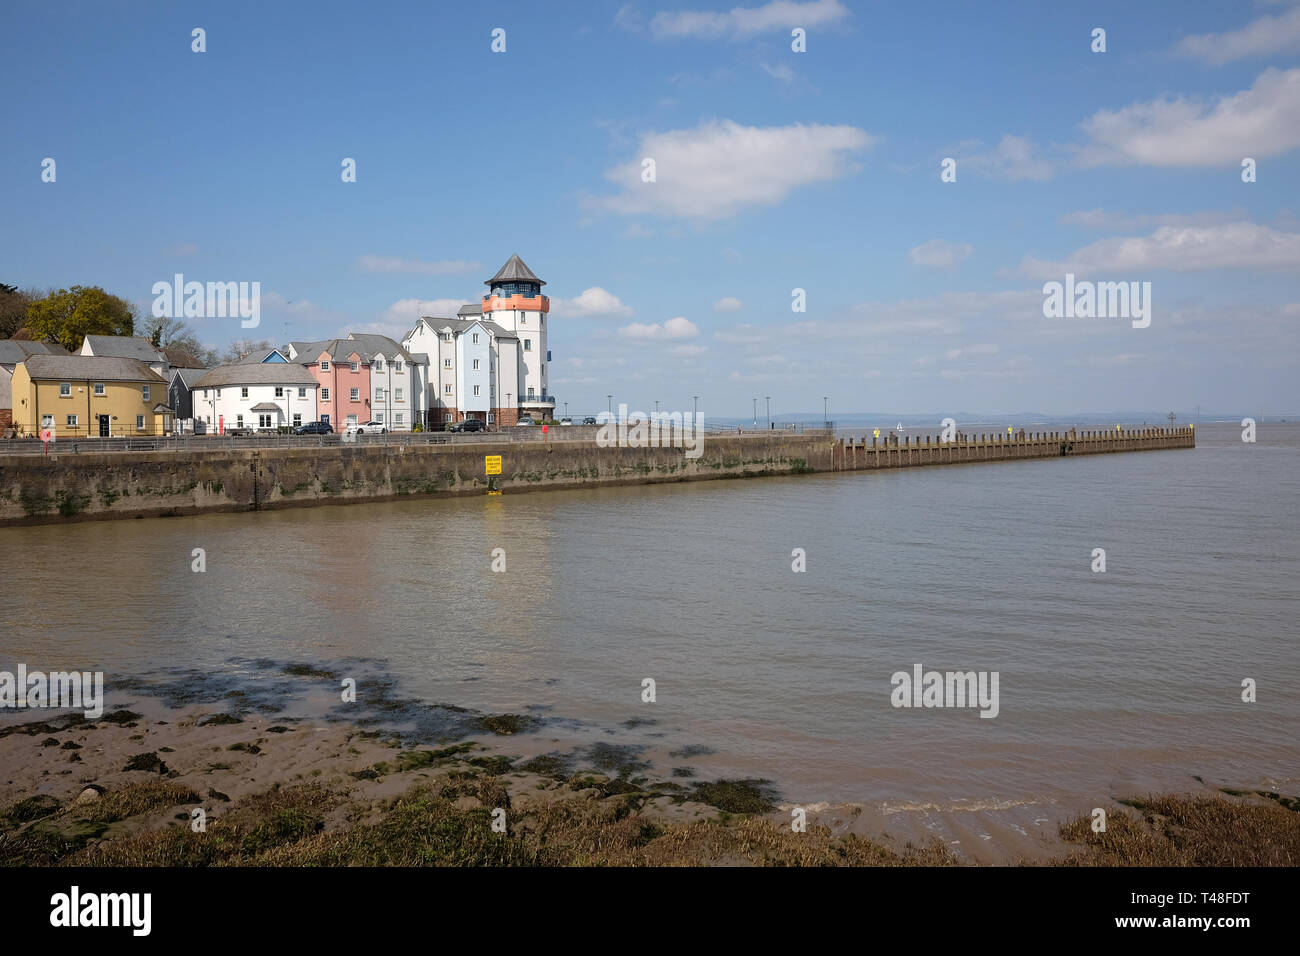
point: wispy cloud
(416, 266)
(742, 23)
(728, 304)
(1241, 245)
(1262, 37)
(1014, 158)
(1120, 221)
(940, 253)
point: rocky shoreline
(159, 785)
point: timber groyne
(195, 477)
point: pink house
(344, 378)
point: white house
(397, 381)
(490, 362)
(262, 396)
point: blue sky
(775, 170)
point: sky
(775, 170)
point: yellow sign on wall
(492, 463)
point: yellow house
(86, 396)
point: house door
(103, 426)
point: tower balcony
(527, 303)
(543, 400)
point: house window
(146, 392)
(205, 393)
(72, 421)
(218, 393)
(355, 395)
(324, 366)
(397, 366)
(379, 365)
(279, 391)
(379, 394)
(297, 419)
(352, 419)
(65, 390)
(476, 365)
(324, 394)
(99, 389)
(476, 388)
(446, 336)
(491, 418)
(239, 421)
(528, 345)
(397, 394)
(243, 391)
(139, 423)
(47, 421)
(476, 338)
(399, 418)
(264, 420)
(302, 393)
(354, 366)
(446, 363)
(446, 390)
(379, 417)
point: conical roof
(514, 271)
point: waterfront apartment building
(490, 361)
(83, 396)
(365, 378)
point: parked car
(314, 428)
(525, 420)
(468, 425)
(589, 420)
(361, 428)
(566, 420)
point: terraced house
(83, 396)
(260, 396)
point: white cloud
(1261, 121)
(781, 71)
(742, 334)
(940, 254)
(719, 168)
(1014, 158)
(398, 264)
(408, 311)
(1240, 245)
(677, 328)
(728, 304)
(689, 351)
(741, 23)
(1260, 37)
(1107, 219)
(593, 302)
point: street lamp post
(695, 419)
(756, 413)
(769, 412)
(566, 409)
(826, 418)
(656, 409)
(610, 399)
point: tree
(168, 333)
(66, 317)
(241, 347)
(13, 309)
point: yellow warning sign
(492, 463)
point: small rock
(49, 742)
(89, 795)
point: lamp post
(566, 409)
(695, 419)
(825, 414)
(769, 412)
(756, 413)
(656, 409)
(610, 399)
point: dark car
(468, 425)
(589, 420)
(314, 428)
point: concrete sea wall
(63, 487)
